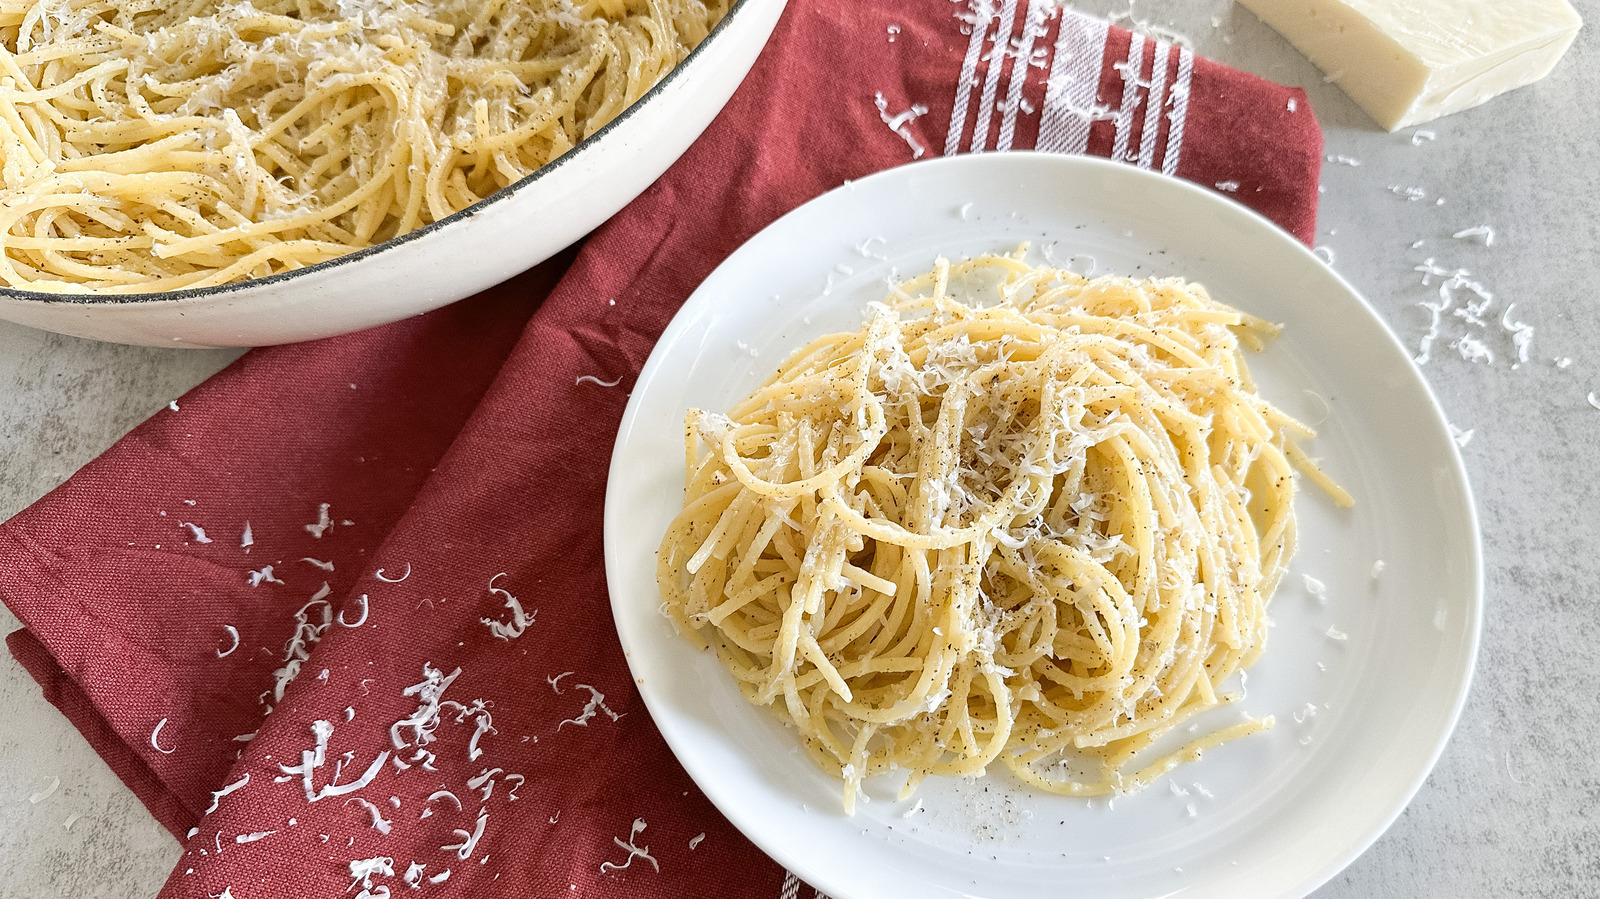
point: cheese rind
(1411, 61)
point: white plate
(1361, 720)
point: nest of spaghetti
(1037, 525)
(150, 146)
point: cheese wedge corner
(1411, 61)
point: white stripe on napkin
(1032, 27)
(1179, 112)
(1130, 69)
(1073, 85)
(964, 85)
(991, 82)
(1153, 105)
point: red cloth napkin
(392, 539)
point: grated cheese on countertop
(45, 793)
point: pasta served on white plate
(1020, 516)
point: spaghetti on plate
(1019, 517)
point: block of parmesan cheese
(1409, 61)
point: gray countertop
(1513, 806)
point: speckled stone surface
(1513, 807)
(62, 401)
